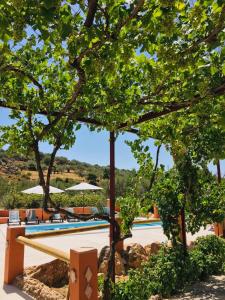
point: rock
(191, 245)
(103, 255)
(148, 249)
(122, 278)
(169, 244)
(119, 268)
(54, 273)
(45, 282)
(119, 265)
(103, 267)
(37, 289)
(152, 248)
(136, 255)
(155, 297)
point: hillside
(14, 166)
(19, 172)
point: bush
(171, 269)
(162, 274)
(208, 256)
(15, 200)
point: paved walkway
(96, 239)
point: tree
(92, 178)
(80, 62)
(106, 173)
(194, 138)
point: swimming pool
(58, 226)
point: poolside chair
(31, 217)
(14, 217)
(106, 210)
(55, 217)
(68, 217)
(95, 210)
(102, 210)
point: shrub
(13, 199)
(25, 176)
(31, 166)
(171, 269)
(208, 256)
(162, 274)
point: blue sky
(93, 147)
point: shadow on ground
(213, 289)
(11, 289)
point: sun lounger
(95, 210)
(106, 210)
(70, 218)
(56, 217)
(31, 217)
(14, 217)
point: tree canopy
(137, 59)
(115, 64)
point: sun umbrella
(83, 186)
(38, 190)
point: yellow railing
(46, 249)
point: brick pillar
(83, 274)
(156, 212)
(14, 254)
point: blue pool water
(57, 226)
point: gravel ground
(213, 289)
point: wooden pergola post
(112, 196)
(218, 172)
(183, 234)
(219, 228)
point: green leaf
(157, 12)
(213, 70)
(223, 69)
(180, 5)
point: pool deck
(96, 239)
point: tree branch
(92, 8)
(17, 70)
(218, 91)
(67, 107)
(212, 36)
(133, 14)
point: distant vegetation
(18, 173)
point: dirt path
(213, 289)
